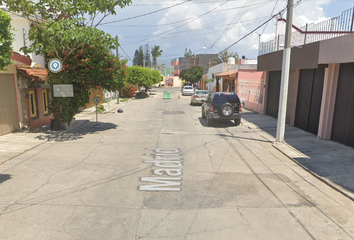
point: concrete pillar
(328, 101)
(292, 96)
(265, 92)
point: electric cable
(145, 14)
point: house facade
(321, 86)
(24, 94)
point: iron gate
(273, 93)
(343, 119)
(309, 97)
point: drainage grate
(173, 112)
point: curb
(329, 183)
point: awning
(20, 59)
(230, 74)
(38, 75)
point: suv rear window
(187, 87)
(223, 98)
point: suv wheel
(203, 115)
(237, 121)
(209, 121)
(226, 110)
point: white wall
(19, 23)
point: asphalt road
(157, 171)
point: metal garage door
(309, 99)
(273, 93)
(343, 119)
(8, 108)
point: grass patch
(125, 99)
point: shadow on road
(4, 177)
(79, 132)
(217, 124)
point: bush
(128, 90)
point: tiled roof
(39, 75)
(231, 73)
(20, 59)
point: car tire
(203, 115)
(226, 110)
(192, 104)
(210, 122)
(237, 122)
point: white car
(187, 90)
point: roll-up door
(273, 93)
(343, 119)
(8, 108)
(309, 99)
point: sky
(208, 26)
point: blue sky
(213, 24)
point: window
(32, 103)
(45, 101)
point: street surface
(157, 171)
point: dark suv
(222, 106)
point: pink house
(248, 84)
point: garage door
(273, 93)
(309, 99)
(8, 108)
(343, 119)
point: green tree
(156, 76)
(59, 29)
(87, 64)
(155, 52)
(94, 10)
(194, 74)
(140, 76)
(5, 40)
(138, 59)
(188, 53)
(182, 74)
(147, 55)
(222, 57)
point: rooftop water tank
(231, 60)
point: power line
(183, 24)
(145, 14)
(184, 20)
(254, 29)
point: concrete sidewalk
(331, 162)
(17, 143)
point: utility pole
(117, 46)
(117, 59)
(285, 74)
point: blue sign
(55, 65)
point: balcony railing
(331, 28)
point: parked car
(186, 84)
(187, 90)
(199, 96)
(222, 106)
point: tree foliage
(87, 64)
(182, 74)
(194, 74)
(188, 53)
(155, 52)
(59, 29)
(6, 39)
(139, 57)
(144, 77)
(37, 11)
